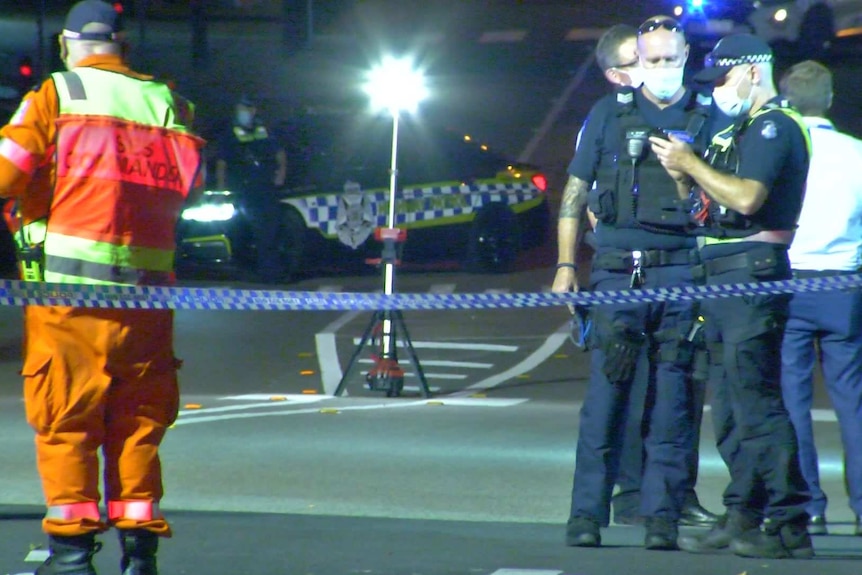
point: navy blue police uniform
(641, 242)
(757, 438)
(250, 155)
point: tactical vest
(711, 218)
(125, 162)
(633, 190)
(257, 165)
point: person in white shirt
(826, 325)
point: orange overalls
(93, 378)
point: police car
(810, 26)
(458, 200)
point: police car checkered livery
(458, 201)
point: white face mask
(635, 75)
(728, 101)
(244, 118)
(663, 83)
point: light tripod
(394, 86)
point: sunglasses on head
(656, 23)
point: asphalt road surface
(267, 472)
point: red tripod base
(386, 375)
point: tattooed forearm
(574, 198)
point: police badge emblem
(769, 131)
(354, 220)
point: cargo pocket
(39, 401)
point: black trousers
(755, 435)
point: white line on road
(37, 556)
(327, 353)
(446, 363)
(393, 404)
(430, 375)
(551, 345)
(291, 397)
(453, 345)
(526, 572)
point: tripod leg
(350, 365)
(408, 343)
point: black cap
(733, 50)
(92, 12)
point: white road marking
(453, 345)
(480, 401)
(499, 36)
(327, 351)
(446, 363)
(290, 397)
(245, 406)
(526, 572)
(428, 374)
(394, 403)
(556, 109)
(37, 556)
(827, 415)
(546, 350)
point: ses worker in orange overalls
(100, 160)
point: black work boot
(732, 524)
(775, 541)
(693, 514)
(661, 534)
(139, 552)
(583, 532)
(71, 555)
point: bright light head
(395, 85)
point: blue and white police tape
(18, 293)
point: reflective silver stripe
(137, 509)
(102, 272)
(74, 85)
(86, 510)
(23, 159)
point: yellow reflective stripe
(709, 240)
(119, 96)
(82, 249)
(20, 157)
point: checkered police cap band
(728, 62)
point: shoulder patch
(769, 131)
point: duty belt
(625, 261)
(759, 259)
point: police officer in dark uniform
(641, 242)
(748, 195)
(252, 163)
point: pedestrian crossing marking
(37, 556)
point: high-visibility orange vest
(125, 162)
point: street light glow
(395, 85)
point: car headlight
(209, 213)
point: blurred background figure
(825, 325)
